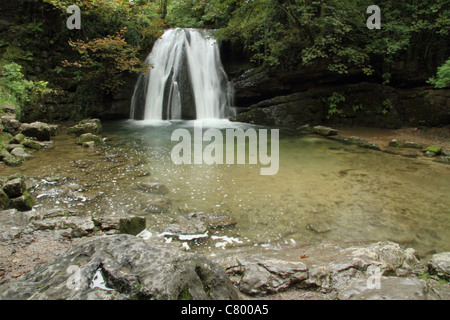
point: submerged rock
(411, 145)
(131, 269)
(214, 221)
(156, 206)
(390, 288)
(443, 159)
(362, 143)
(155, 188)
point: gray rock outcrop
(131, 269)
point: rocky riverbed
(82, 229)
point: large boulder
(15, 188)
(23, 203)
(131, 269)
(39, 130)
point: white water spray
(187, 80)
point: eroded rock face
(382, 270)
(440, 265)
(131, 268)
(390, 288)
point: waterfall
(187, 80)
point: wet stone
(214, 221)
(156, 206)
(131, 225)
(21, 153)
(411, 145)
(394, 144)
(14, 188)
(39, 130)
(390, 288)
(22, 203)
(155, 188)
(440, 265)
(324, 131)
(92, 126)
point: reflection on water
(324, 190)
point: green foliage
(105, 60)
(387, 107)
(17, 91)
(333, 104)
(199, 13)
(442, 79)
(99, 59)
(293, 34)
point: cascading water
(187, 80)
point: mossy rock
(185, 295)
(443, 159)
(22, 203)
(433, 149)
(88, 137)
(15, 188)
(31, 144)
(412, 145)
(132, 226)
(4, 200)
(9, 159)
(394, 144)
(325, 131)
(18, 138)
(93, 126)
(362, 143)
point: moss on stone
(394, 144)
(436, 150)
(4, 200)
(132, 226)
(31, 144)
(185, 294)
(22, 203)
(88, 137)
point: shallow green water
(324, 190)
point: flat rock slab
(440, 265)
(382, 270)
(131, 268)
(388, 288)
